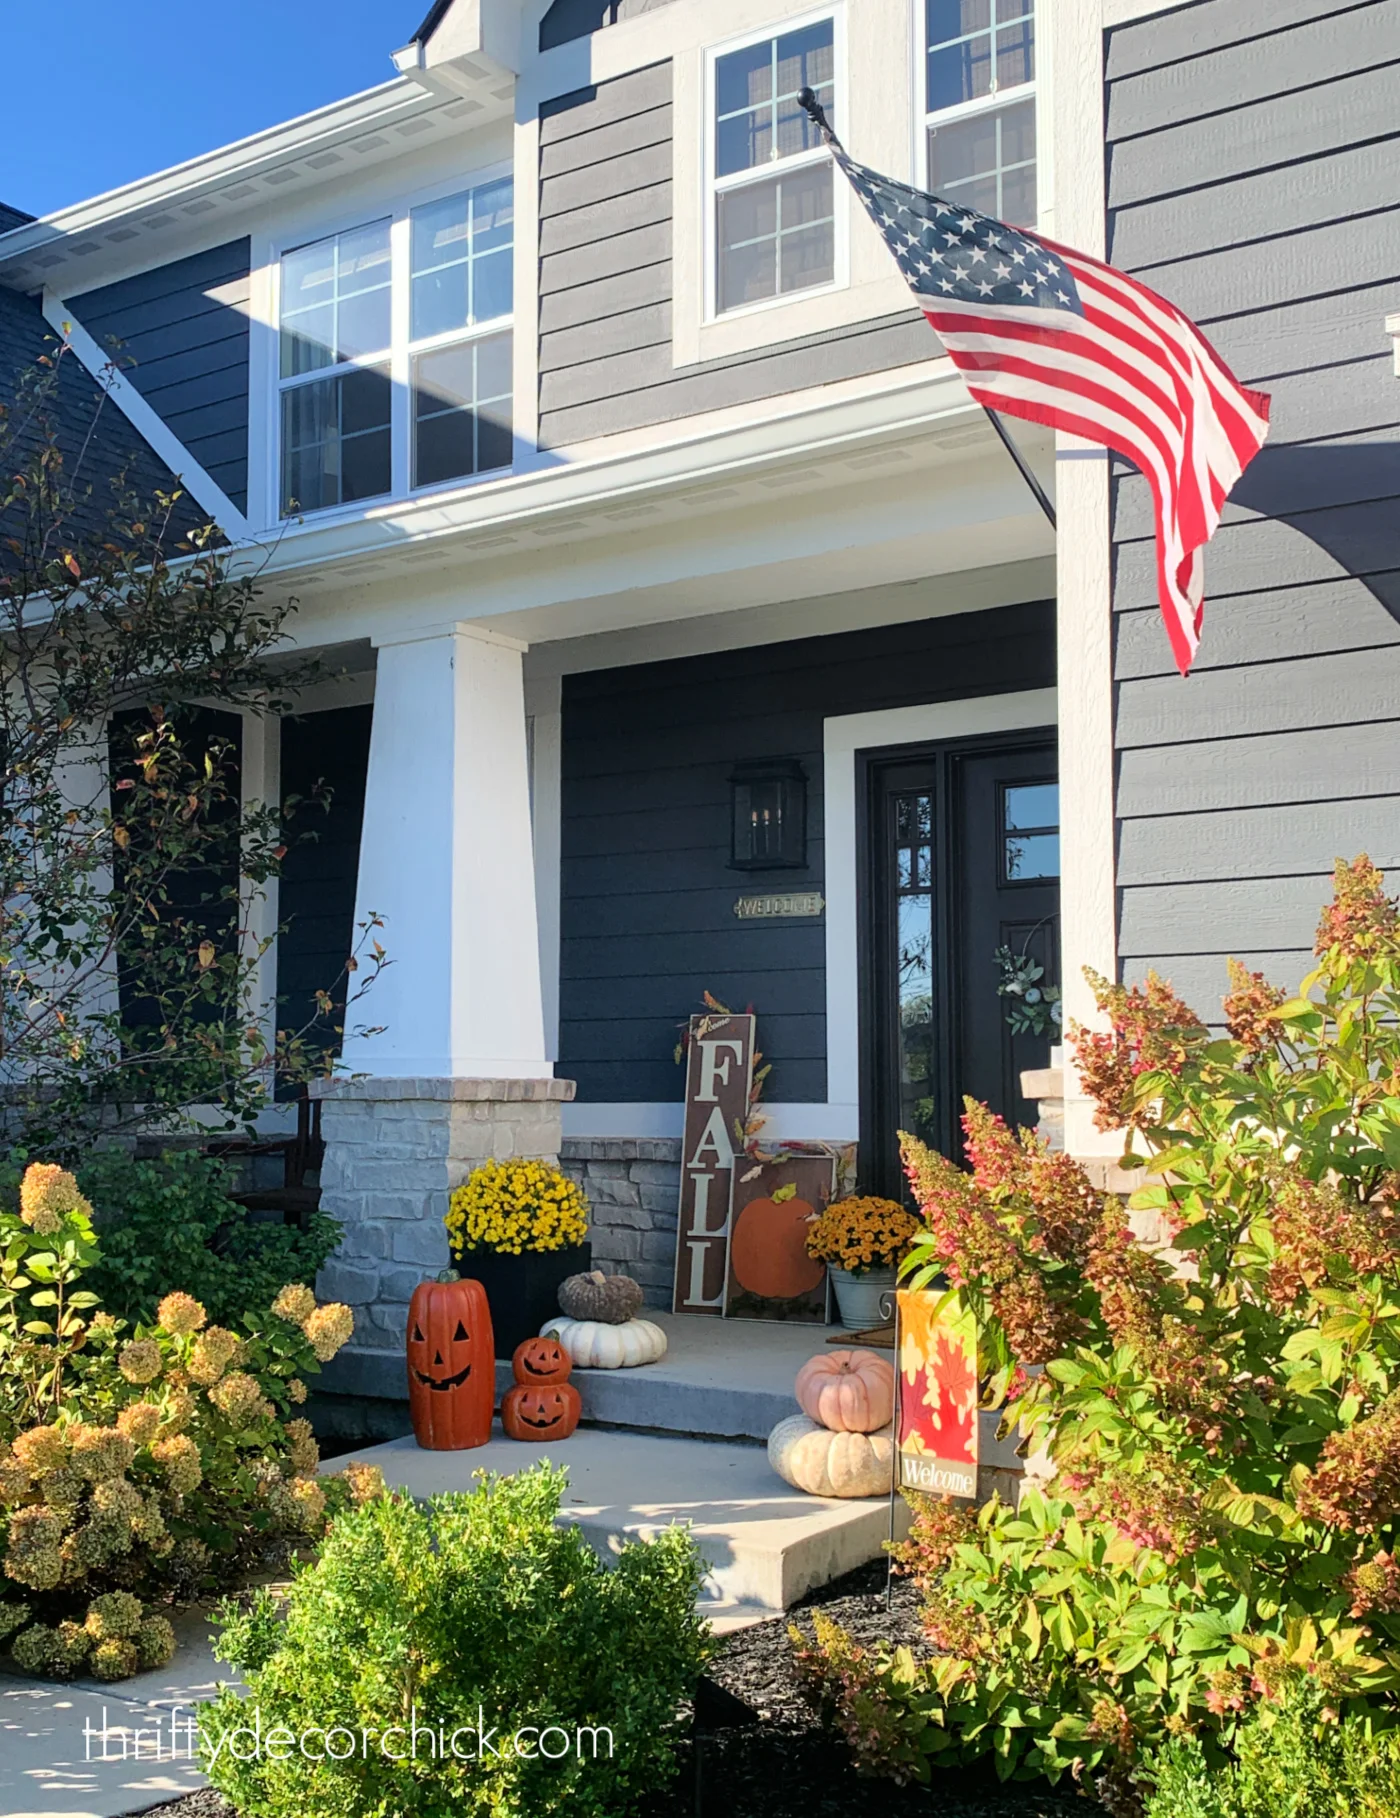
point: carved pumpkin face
(541, 1360)
(546, 1411)
(451, 1365)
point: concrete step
(764, 1543)
(719, 1379)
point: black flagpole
(810, 105)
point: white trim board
(205, 492)
(843, 738)
(789, 1123)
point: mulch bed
(758, 1751)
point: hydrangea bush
(1224, 1420)
(138, 1466)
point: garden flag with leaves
(1042, 332)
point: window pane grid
(757, 118)
(339, 421)
(976, 47)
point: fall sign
(938, 1394)
(771, 1276)
(718, 1077)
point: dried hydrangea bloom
(37, 1650)
(308, 1501)
(117, 1613)
(213, 1352)
(46, 1193)
(1361, 919)
(14, 1481)
(1250, 1008)
(296, 1390)
(148, 1524)
(100, 1540)
(241, 1399)
(63, 1489)
(302, 1451)
(328, 1328)
(181, 1314)
(39, 1450)
(117, 1496)
(179, 1458)
(33, 1557)
(140, 1422)
(115, 1660)
(366, 1482)
(100, 1452)
(140, 1361)
(73, 1644)
(155, 1642)
(296, 1303)
(177, 1411)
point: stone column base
(395, 1150)
(633, 1185)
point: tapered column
(446, 859)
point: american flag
(1046, 333)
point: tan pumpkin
(824, 1463)
(611, 1300)
(848, 1391)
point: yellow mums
(515, 1206)
(859, 1234)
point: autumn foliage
(1222, 1420)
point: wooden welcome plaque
(718, 1079)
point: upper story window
(771, 176)
(980, 105)
(375, 398)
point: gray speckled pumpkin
(610, 1299)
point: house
(699, 632)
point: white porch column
(446, 859)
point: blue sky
(98, 93)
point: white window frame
(401, 350)
(713, 186)
(983, 104)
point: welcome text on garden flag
(1042, 332)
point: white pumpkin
(595, 1346)
(823, 1463)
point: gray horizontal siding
(1254, 177)
(1288, 766)
(570, 19)
(605, 327)
(183, 335)
(647, 895)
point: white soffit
(158, 217)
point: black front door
(960, 859)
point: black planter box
(522, 1291)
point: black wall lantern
(768, 815)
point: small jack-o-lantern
(543, 1404)
(541, 1360)
(550, 1411)
(451, 1365)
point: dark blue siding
(184, 329)
(647, 914)
(316, 898)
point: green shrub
(169, 1224)
(474, 1610)
(1293, 1760)
(1226, 1434)
(140, 1466)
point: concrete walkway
(87, 1750)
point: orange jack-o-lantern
(541, 1360)
(543, 1411)
(451, 1365)
(768, 1251)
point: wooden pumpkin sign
(543, 1403)
(451, 1365)
(771, 1276)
